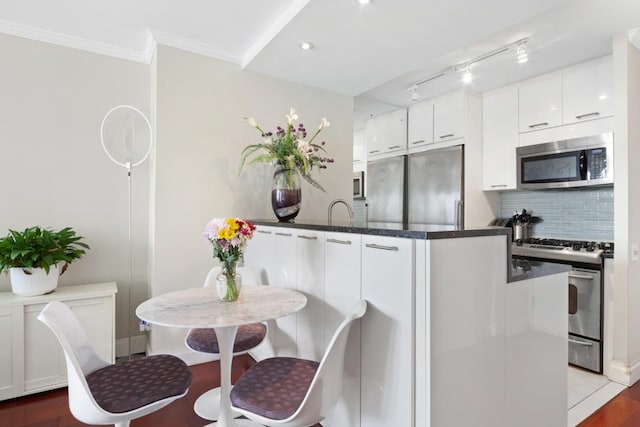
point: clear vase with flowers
(228, 236)
(292, 154)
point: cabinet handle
(537, 125)
(498, 185)
(418, 142)
(384, 248)
(374, 151)
(342, 242)
(586, 344)
(307, 237)
(583, 116)
(264, 232)
(393, 147)
(284, 234)
(449, 135)
(581, 276)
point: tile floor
(587, 393)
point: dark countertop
(412, 231)
(525, 269)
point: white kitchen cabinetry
(341, 290)
(420, 126)
(540, 103)
(499, 139)
(31, 357)
(588, 91)
(359, 153)
(387, 331)
(449, 117)
(387, 133)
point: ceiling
(372, 52)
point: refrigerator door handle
(458, 213)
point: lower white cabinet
(31, 359)
(387, 332)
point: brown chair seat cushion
(138, 382)
(247, 337)
(274, 388)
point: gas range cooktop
(562, 250)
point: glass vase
(228, 283)
(286, 195)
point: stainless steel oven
(358, 185)
(585, 287)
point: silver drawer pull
(384, 248)
(498, 185)
(581, 276)
(264, 232)
(584, 116)
(374, 151)
(307, 237)
(449, 135)
(393, 147)
(586, 344)
(342, 242)
(418, 142)
(537, 125)
(283, 234)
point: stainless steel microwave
(358, 184)
(575, 162)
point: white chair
(102, 393)
(291, 392)
(248, 337)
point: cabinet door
(341, 291)
(420, 126)
(387, 133)
(11, 358)
(448, 117)
(499, 139)
(387, 332)
(540, 103)
(310, 279)
(43, 373)
(284, 274)
(359, 139)
(588, 91)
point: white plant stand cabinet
(31, 359)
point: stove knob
(590, 248)
(576, 246)
(519, 242)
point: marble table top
(201, 308)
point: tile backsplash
(359, 211)
(579, 214)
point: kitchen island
(439, 345)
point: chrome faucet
(335, 202)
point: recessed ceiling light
(362, 2)
(306, 46)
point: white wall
(52, 167)
(626, 290)
(201, 103)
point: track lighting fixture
(521, 51)
(467, 76)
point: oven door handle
(581, 276)
(586, 344)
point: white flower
(252, 122)
(292, 115)
(268, 140)
(325, 123)
(304, 148)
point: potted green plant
(36, 257)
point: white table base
(238, 423)
(207, 406)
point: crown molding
(634, 37)
(61, 39)
(274, 30)
(193, 46)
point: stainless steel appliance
(358, 185)
(422, 188)
(585, 287)
(575, 162)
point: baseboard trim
(138, 345)
(624, 374)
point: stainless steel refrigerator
(420, 189)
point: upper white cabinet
(359, 146)
(420, 127)
(449, 117)
(540, 103)
(587, 91)
(387, 133)
(499, 139)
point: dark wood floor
(51, 409)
